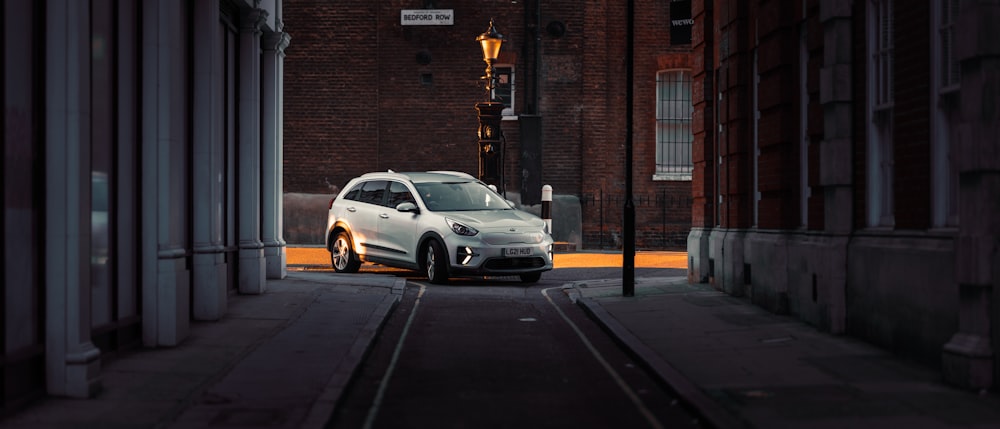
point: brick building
(847, 171)
(366, 91)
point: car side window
(398, 194)
(373, 192)
(354, 193)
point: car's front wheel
(436, 263)
(342, 256)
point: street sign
(427, 17)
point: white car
(442, 223)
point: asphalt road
(497, 354)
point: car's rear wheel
(530, 277)
(435, 263)
(342, 256)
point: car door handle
(383, 216)
(352, 209)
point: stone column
(968, 359)
(272, 70)
(166, 280)
(836, 159)
(252, 277)
(72, 363)
(702, 148)
(208, 166)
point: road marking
(384, 383)
(607, 367)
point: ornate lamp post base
(490, 143)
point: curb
(688, 393)
(324, 406)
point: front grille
(502, 238)
(514, 263)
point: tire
(342, 256)
(531, 277)
(435, 263)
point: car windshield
(460, 196)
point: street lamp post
(490, 115)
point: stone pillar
(272, 70)
(968, 359)
(252, 277)
(836, 156)
(72, 363)
(703, 156)
(208, 166)
(166, 284)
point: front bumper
(481, 259)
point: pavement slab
(741, 366)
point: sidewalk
(276, 360)
(283, 358)
(740, 366)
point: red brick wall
(814, 121)
(724, 58)
(703, 121)
(662, 207)
(331, 94)
(354, 100)
(733, 62)
(354, 97)
(778, 100)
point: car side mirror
(407, 208)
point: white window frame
(881, 98)
(669, 166)
(508, 109)
(945, 78)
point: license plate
(517, 251)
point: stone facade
(845, 170)
(140, 178)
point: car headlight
(461, 229)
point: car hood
(495, 219)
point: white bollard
(547, 206)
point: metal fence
(663, 220)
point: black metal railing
(663, 220)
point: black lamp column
(490, 148)
(490, 115)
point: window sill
(671, 177)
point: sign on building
(680, 22)
(427, 17)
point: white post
(547, 206)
